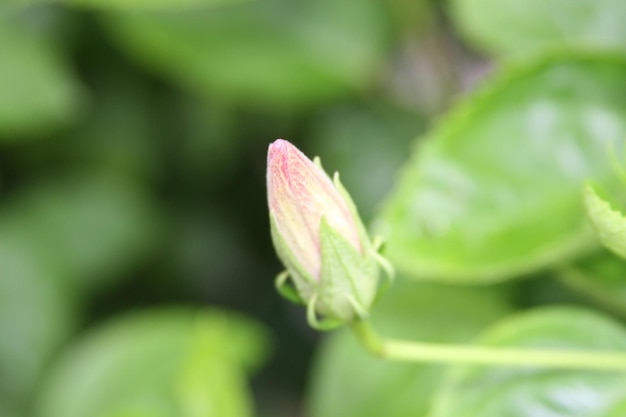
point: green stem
(407, 351)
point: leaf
(38, 90)
(6, 412)
(36, 315)
(601, 277)
(282, 53)
(617, 410)
(610, 224)
(494, 191)
(162, 363)
(347, 381)
(523, 26)
(59, 239)
(529, 392)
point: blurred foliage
(487, 391)
(600, 276)
(135, 258)
(159, 363)
(36, 82)
(408, 310)
(505, 169)
(518, 27)
(609, 223)
(269, 52)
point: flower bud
(320, 238)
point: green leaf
(168, 363)
(38, 91)
(528, 26)
(279, 52)
(610, 224)
(494, 191)
(483, 391)
(36, 315)
(617, 410)
(56, 240)
(601, 277)
(347, 381)
(6, 412)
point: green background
(136, 266)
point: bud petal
(299, 193)
(318, 236)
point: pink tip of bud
(299, 194)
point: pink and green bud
(319, 237)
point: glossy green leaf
(348, 382)
(519, 26)
(168, 363)
(494, 191)
(609, 223)
(479, 391)
(37, 88)
(278, 52)
(600, 277)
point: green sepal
(348, 280)
(325, 323)
(287, 291)
(317, 161)
(383, 262)
(364, 238)
(385, 265)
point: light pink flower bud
(320, 239)
(299, 193)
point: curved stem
(484, 355)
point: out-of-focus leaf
(495, 190)
(498, 391)
(37, 88)
(36, 315)
(86, 228)
(602, 277)
(610, 224)
(55, 238)
(6, 412)
(148, 5)
(170, 363)
(514, 26)
(279, 52)
(349, 382)
(374, 140)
